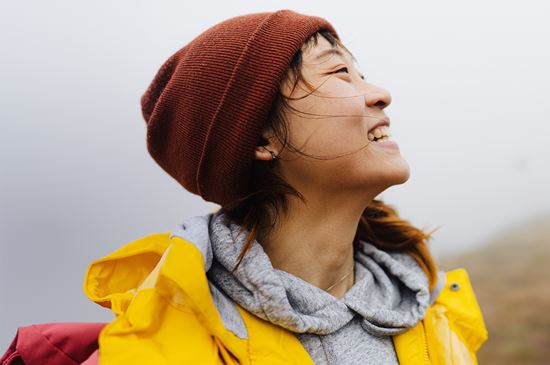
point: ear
(264, 148)
(262, 153)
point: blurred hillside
(510, 276)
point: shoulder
(157, 285)
(455, 310)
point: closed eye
(345, 69)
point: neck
(315, 242)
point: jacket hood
(390, 291)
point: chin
(404, 178)
(399, 174)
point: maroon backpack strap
(12, 357)
(93, 359)
(69, 343)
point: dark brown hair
(258, 212)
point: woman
(268, 115)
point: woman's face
(335, 120)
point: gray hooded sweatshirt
(390, 295)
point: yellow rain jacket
(165, 314)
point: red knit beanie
(207, 105)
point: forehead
(323, 52)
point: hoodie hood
(390, 292)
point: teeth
(382, 133)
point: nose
(376, 96)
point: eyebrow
(330, 51)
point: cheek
(328, 126)
(338, 98)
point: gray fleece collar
(390, 293)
